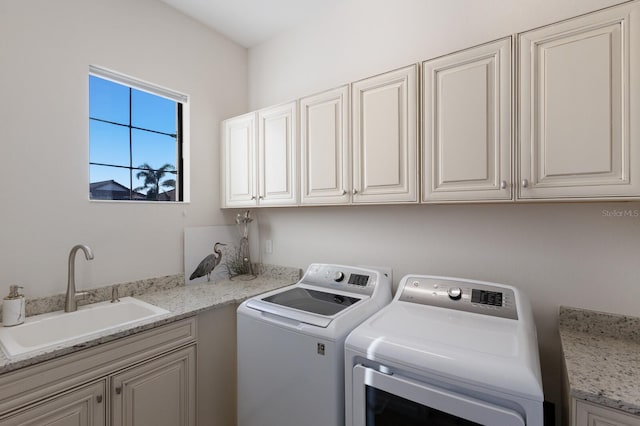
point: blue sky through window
(110, 143)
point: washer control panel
(347, 278)
(463, 295)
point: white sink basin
(61, 328)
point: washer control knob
(455, 293)
(338, 276)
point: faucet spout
(71, 301)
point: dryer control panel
(464, 295)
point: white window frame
(164, 92)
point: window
(135, 139)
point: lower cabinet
(159, 393)
(80, 407)
(150, 378)
(586, 414)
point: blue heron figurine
(208, 264)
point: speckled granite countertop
(180, 300)
(602, 357)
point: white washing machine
(291, 345)
(445, 351)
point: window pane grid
(160, 182)
(173, 135)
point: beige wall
(571, 254)
(216, 364)
(46, 48)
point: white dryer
(291, 345)
(445, 351)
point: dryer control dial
(338, 276)
(455, 293)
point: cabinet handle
(355, 191)
(261, 197)
(525, 183)
(503, 184)
(118, 390)
(344, 192)
(253, 197)
(99, 399)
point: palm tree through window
(135, 143)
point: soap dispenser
(13, 307)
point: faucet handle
(81, 295)
(115, 297)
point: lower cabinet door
(587, 414)
(84, 406)
(160, 392)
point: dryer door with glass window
(390, 399)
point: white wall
(571, 254)
(361, 38)
(46, 48)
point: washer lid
(308, 300)
(487, 351)
(305, 304)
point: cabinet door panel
(159, 393)
(385, 137)
(324, 140)
(571, 93)
(82, 407)
(578, 92)
(382, 137)
(587, 414)
(467, 125)
(277, 146)
(239, 161)
(467, 94)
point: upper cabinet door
(385, 141)
(239, 161)
(277, 155)
(324, 141)
(466, 138)
(579, 103)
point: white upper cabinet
(259, 158)
(385, 132)
(579, 100)
(325, 149)
(238, 173)
(549, 115)
(277, 165)
(466, 116)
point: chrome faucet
(71, 302)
